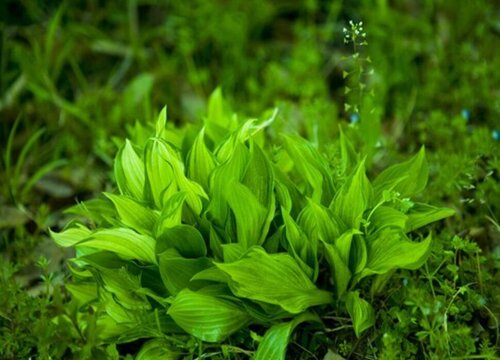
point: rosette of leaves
(212, 230)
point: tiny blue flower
(495, 134)
(405, 282)
(465, 114)
(354, 118)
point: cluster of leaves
(210, 233)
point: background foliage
(77, 77)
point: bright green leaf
(319, 223)
(124, 242)
(341, 273)
(176, 271)
(390, 249)
(171, 214)
(219, 122)
(303, 250)
(385, 216)
(361, 312)
(251, 217)
(348, 156)
(129, 172)
(160, 159)
(353, 198)
(275, 341)
(232, 252)
(187, 240)
(201, 161)
(71, 236)
(259, 176)
(311, 166)
(407, 178)
(161, 123)
(274, 279)
(83, 292)
(233, 168)
(207, 317)
(133, 214)
(423, 214)
(157, 349)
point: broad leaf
(201, 161)
(423, 214)
(361, 312)
(124, 242)
(391, 249)
(385, 216)
(157, 349)
(207, 317)
(232, 252)
(303, 250)
(319, 223)
(160, 159)
(83, 292)
(165, 172)
(129, 172)
(71, 236)
(275, 341)
(161, 123)
(218, 122)
(171, 214)
(341, 274)
(187, 240)
(274, 279)
(251, 217)
(234, 169)
(100, 211)
(176, 271)
(358, 254)
(194, 192)
(259, 176)
(343, 244)
(353, 198)
(348, 156)
(311, 166)
(133, 214)
(125, 288)
(407, 178)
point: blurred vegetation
(76, 76)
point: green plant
(16, 183)
(212, 231)
(361, 104)
(452, 315)
(27, 325)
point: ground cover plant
(416, 75)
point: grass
(76, 78)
